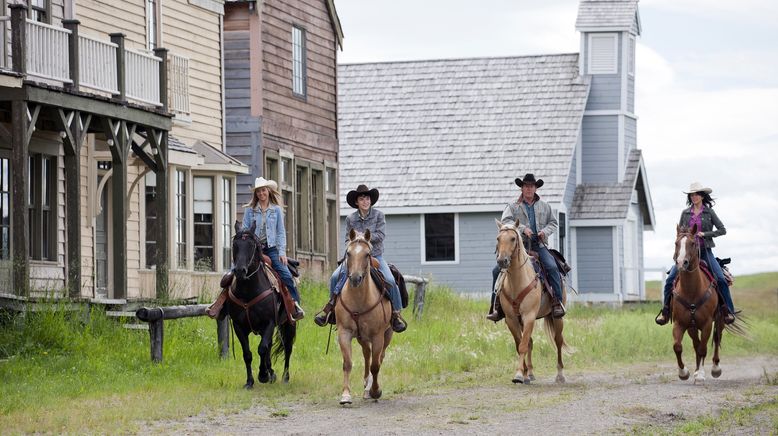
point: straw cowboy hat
(261, 182)
(351, 197)
(698, 187)
(529, 178)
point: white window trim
(631, 55)
(615, 65)
(423, 247)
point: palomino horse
(253, 307)
(523, 302)
(695, 306)
(362, 312)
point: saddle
(378, 278)
(537, 265)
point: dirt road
(644, 398)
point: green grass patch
(744, 420)
(66, 371)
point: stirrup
(398, 323)
(665, 316)
(300, 314)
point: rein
(355, 314)
(519, 298)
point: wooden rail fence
(156, 316)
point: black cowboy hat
(529, 178)
(351, 197)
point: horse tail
(285, 336)
(551, 326)
(740, 327)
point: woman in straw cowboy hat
(365, 218)
(700, 212)
(264, 209)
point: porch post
(19, 37)
(72, 137)
(163, 218)
(118, 137)
(73, 52)
(20, 198)
(163, 77)
(118, 39)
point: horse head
(246, 250)
(687, 249)
(358, 251)
(508, 243)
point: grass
(65, 371)
(742, 420)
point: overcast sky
(706, 94)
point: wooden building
(281, 109)
(114, 183)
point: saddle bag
(561, 263)
(400, 280)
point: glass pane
(439, 236)
(203, 195)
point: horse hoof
(285, 378)
(560, 378)
(532, 377)
(699, 376)
(272, 378)
(518, 379)
(683, 374)
(248, 386)
(527, 380)
(345, 399)
(263, 378)
(715, 372)
(375, 395)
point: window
(203, 223)
(151, 219)
(39, 11)
(5, 209)
(318, 219)
(302, 211)
(333, 218)
(226, 223)
(152, 34)
(180, 193)
(631, 66)
(562, 233)
(299, 77)
(603, 48)
(440, 234)
(42, 223)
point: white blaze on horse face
(681, 252)
(358, 249)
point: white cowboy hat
(698, 187)
(261, 182)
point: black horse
(254, 306)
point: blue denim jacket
(276, 232)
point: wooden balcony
(61, 57)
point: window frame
(423, 241)
(631, 55)
(613, 68)
(35, 12)
(299, 62)
(153, 18)
(42, 232)
(212, 224)
(227, 215)
(6, 196)
(180, 229)
(150, 222)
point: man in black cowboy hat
(537, 222)
(366, 217)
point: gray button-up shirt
(375, 222)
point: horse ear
(694, 229)
(516, 224)
(367, 235)
(238, 226)
(352, 234)
(677, 229)
(499, 224)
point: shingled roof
(612, 200)
(457, 132)
(608, 15)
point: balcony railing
(62, 56)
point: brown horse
(694, 306)
(523, 302)
(363, 313)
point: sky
(706, 94)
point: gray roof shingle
(607, 200)
(607, 14)
(457, 132)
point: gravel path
(641, 398)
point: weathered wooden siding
(309, 125)
(101, 18)
(630, 135)
(630, 94)
(594, 251)
(599, 156)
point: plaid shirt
(375, 222)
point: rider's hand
(283, 260)
(528, 232)
(700, 235)
(542, 236)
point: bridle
(244, 236)
(695, 250)
(262, 295)
(516, 302)
(355, 314)
(516, 247)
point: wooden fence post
(156, 335)
(223, 336)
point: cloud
(743, 9)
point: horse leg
(288, 333)
(559, 341)
(344, 340)
(702, 352)
(243, 338)
(366, 378)
(515, 327)
(265, 345)
(718, 328)
(377, 346)
(683, 373)
(528, 363)
(524, 347)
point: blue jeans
(283, 271)
(706, 254)
(549, 264)
(339, 277)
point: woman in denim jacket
(701, 212)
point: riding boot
(299, 312)
(557, 309)
(664, 315)
(398, 324)
(214, 309)
(326, 315)
(497, 314)
(727, 315)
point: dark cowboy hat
(351, 197)
(529, 178)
